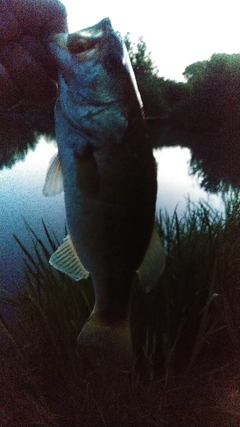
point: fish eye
(113, 62)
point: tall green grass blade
(192, 310)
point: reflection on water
(175, 184)
(21, 196)
(19, 132)
(24, 159)
(215, 157)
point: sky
(177, 32)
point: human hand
(27, 69)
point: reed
(182, 328)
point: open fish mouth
(92, 41)
(94, 64)
(85, 40)
(98, 43)
(84, 43)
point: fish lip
(83, 42)
(104, 27)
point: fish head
(94, 67)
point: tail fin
(109, 342)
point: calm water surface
(21, 197)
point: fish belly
(110, 197)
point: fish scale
(108, 174)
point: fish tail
(111, 343)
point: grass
(185, 336)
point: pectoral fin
(65, 259)
(54, 180)
(153, 263)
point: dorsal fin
(54, 180)
(153, 263)
(65, 259)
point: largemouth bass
(107, 170)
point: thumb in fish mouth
(27, 72)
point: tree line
(208, 101)
(207, 104)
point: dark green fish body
(109, 181)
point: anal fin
(65, 259)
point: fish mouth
(99, 43)
(84, 41)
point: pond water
(21, 198)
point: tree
(175, 93)
(195, 72)
(149, 83)
(214, 101)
